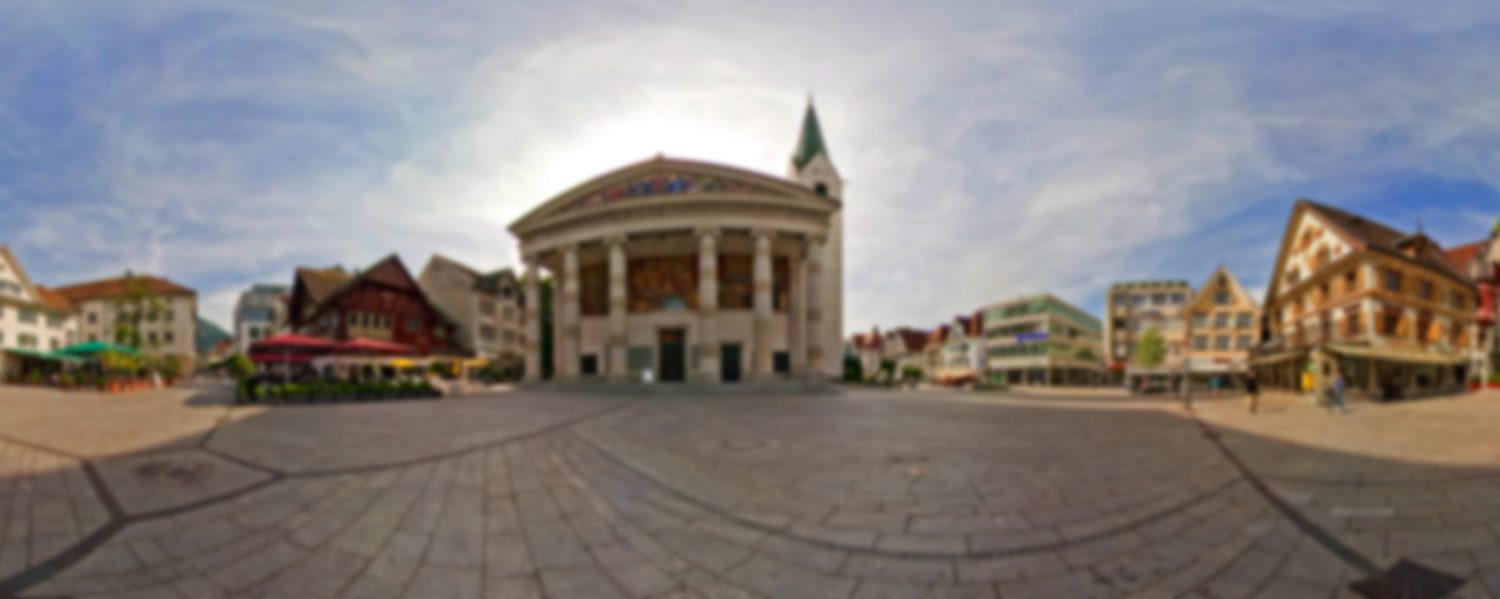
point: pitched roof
(913, 339)
(1379, 237)
(1464, 255)
(121, 287)
(321, 283)
(53, 300)
(810, 140)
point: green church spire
(810, 142)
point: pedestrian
(1338, 394)
(1252, 387)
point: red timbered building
(382, 302)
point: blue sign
(1038, 336)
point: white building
(693, 270)
(259, 313)
(33, 319)
(170, 313)
(489, 308)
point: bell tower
(812, 167)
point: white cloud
(990, 150)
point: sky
(991, 149)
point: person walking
(1338, 394)
(1252, 389)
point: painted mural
(662, 283)
(593, 289)
(668, 183)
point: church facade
(680, 270)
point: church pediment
(663, 178)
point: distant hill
(209, 335)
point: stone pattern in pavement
(46, 506)
(862, 496)
(149, 482)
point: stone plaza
(859, 494)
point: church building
(692, 271)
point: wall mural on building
(667, 183)
(662, 283)
(593, 289)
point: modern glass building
(1042, 340)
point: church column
(568, 339)
(796, 338)
(813, 322)
(708, 305)
(618, 341)
(761, 346)
(533, 315)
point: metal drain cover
(1408, 580)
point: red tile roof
(913, 339)
(1381, 238)
(53, 300)
(1462, 256)
(121, 287)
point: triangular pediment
(1222, 280)
(666, 178)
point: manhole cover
(167, 471)
(1408, 580)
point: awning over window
(1391, 354)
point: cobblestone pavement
(860, 495)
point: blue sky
(992, 149)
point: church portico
(709, 304)
(690, 271)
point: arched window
(821, 188)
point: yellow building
(1223, 325)
(1349, 295)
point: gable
(391, 273)
(1222, 280)
(14, 284)
(1309, 244)
(661, 179)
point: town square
(704, 300)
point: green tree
(1087, 355)
(240, 367)
(137, 306)
(545, 315)
(1151, 350)
(854, 370)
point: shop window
(588, 364)
(781, 362)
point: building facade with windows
(163, 314)
(487, 307)
(260, 312)
(692, 270)
(382, 303)
(1135, 307)
(1349, 295)
(1041, 340)
(33, 319)
(1223, 325)
(1480, 261)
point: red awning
(281, 358)
(293, 343)
(361, 345)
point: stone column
(533, 315)
(618, 337)
(795, 312)
(761, 345)
(708, 305)
(568, 327)
(813, 321)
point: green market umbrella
(41, 355)
(89, 348)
